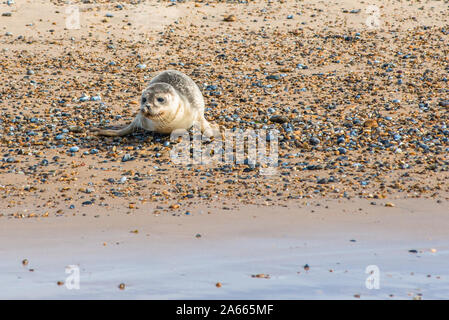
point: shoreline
(163, 257)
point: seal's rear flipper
(209, 130)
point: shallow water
(176, 270)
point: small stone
(444, 103)
(127, 157)
(273, 77)
(261, 276)
(25, 262)
(121, 286)
(74, 149)
(371, 123)
(89, 190)
(314, 141)
(84, 98)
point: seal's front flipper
(118, 133)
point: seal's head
(158, 101)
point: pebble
(84, 98)
(314, 141)
(230, 18)
(127, 157)
(278, 119)
(444, 103)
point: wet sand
(166, 259)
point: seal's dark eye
(144, 100)
(160, 100)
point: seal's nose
(145, 109)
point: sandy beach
(356, 92)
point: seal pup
(171, 101)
